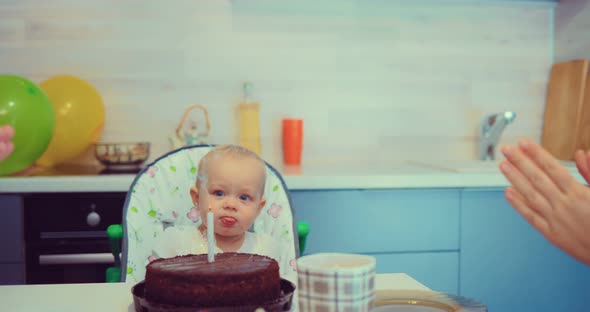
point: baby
(230, 182)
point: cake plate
(283, 303)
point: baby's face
(234, 190)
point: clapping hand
(549, 197)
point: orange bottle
(249, 120)
(292, 141)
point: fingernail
(504, 167)
(509, 193)
(506, 149)
(525, 144)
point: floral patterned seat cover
(159, 198)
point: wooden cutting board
(566, 122)
(583, 133)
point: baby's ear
(194, 192)
(262, 203)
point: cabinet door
(11, 229)
(379, 221)
(12, 273)
(508, 265)
(408, 231)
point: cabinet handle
(86, 258)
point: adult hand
(549, 197)
(583, 164)
(6, 145)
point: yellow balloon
(79, 118)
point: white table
(117, 296)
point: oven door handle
(84, 258)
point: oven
(65, 236)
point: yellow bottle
(249, 136)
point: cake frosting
(232, 279)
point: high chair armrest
(115, 231)
(115, 235)
(302, 232)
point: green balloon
(27, 108)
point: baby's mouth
(228, 221)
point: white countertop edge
(401, 181)
(122, 183)
(66, 184)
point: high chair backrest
(159, 197)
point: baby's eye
(218, 193)
(245, 197)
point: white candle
(210, 237)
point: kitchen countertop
(402, 175)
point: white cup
(336, 282)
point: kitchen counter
(406, 175)
(117, 296)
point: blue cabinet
(410, 231)
(470, 242)
(508, 265)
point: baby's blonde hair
(231, 151)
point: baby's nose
(230, 203)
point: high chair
(159, 198)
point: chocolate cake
(232, 279)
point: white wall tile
(382, 80)
(12, 32)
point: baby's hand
(6, 145)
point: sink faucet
(491, 130)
